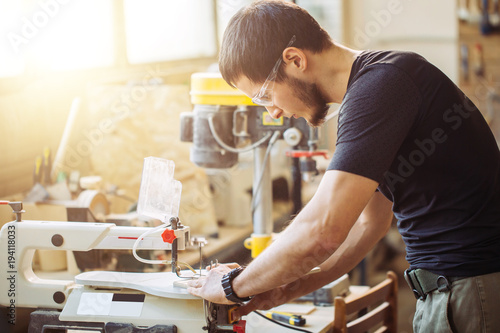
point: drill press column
(263, 202)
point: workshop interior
(128, 166)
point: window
(328, 14)
(11, 63)
(158, 30)
(55, 35)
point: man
(408, 139)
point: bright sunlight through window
(159, 30)
(55, 35)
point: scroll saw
(101, 301)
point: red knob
(168, 236)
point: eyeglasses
(264, 96)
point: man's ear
(295, 57)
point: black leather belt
(423, 282)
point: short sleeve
(378, 111)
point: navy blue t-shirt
(406, 125)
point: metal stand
(262, 213)
(174, 221)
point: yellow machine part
(211, 89)
(257, 243)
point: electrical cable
(281, 324)
(231, 149)
(274, 138)
(136, 243)
(156, 262)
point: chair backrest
(375, 307)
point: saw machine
(101, 301)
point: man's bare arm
(314, 235)
(366, 232)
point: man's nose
(274, 111)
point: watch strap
(227, 285)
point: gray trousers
(472, 305)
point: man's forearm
(372, 225)
(316, 233)
(312, 238)
(358, 243)
(282, 263)
(366, 232)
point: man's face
(291, 98)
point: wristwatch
(227, 281)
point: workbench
(319, 320)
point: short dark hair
(257, 35)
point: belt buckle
(416, 293)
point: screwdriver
(285, 317)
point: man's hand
(210, 287)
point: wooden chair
(364, 312)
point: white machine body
(88, 304)
(19, 285)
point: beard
(310, 95)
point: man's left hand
(209, 287)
